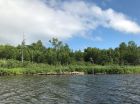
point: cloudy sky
(80, 23)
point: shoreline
(69, 70)
(63, 73)
(50, 73)
(69, 74)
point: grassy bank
(12, 67)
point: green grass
(12, 67)
(45, 69)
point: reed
(12, 67)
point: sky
(80, 23)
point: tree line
(60, 54)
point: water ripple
(88, 89)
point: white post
(22, 51)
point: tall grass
(12, 67)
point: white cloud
(120, 22)
(41, 19)
(97, 38)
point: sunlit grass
(11, 67)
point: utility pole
(22, 48)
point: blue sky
(80, 23)
(110, 37)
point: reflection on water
(88, 89)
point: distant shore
(43, 69)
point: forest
(58, 58)
(60, 54)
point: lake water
(86, 89)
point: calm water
(88, 89)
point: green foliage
(60, 54)
(12, 67)
(59, 58)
